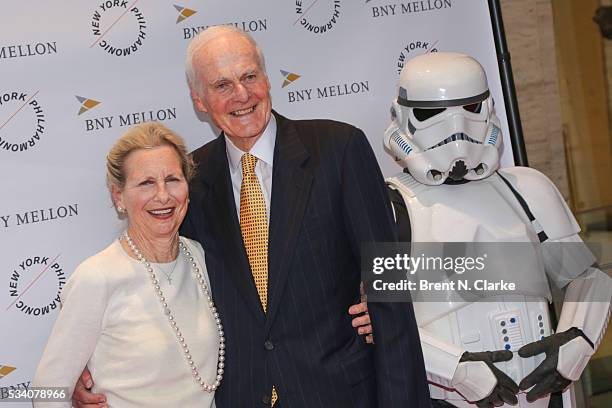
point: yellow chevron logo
(6, 370)
(290, 77)
(86, 103)
(184, 13)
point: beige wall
(530, 35)
(607, 46)
(584, 104)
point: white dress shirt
(263, 149)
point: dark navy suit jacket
(328, 196)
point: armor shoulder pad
(544, 201)
(405, 184)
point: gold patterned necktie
(254, 228)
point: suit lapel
(225, 229)
(291, 182)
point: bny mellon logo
(86, 104)
(184, 13)
(6, 370)
(290, 77)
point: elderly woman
(140, 313)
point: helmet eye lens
(474, 108)
(422, 114)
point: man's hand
(546, 377)
(362, 321)
(83, 397)
(475, 376)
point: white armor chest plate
(478, 211)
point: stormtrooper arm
(568, 262)
(587, 308)
(582, 324)
(441, 360)
(585, 312)
(473, 375)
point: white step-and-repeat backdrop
(74, 75)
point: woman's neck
(158, 249)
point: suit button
(268, 345)
(266, 399)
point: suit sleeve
(188, 228)
(400, 371)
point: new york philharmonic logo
(414, 48)
(22, 121)
(86, 104)
(6, 370)
(289, 77)
(42, 279)
(407, 7)
(184, 13)
(322, 91)
(119, 28)
(317, 16)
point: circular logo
(414, 48)
(22, 121)
(118, 28)
(35, 285)
(317, 16)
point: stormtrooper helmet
(443, 121)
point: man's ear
(197, 101)
(268, 81)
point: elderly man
(281, 208)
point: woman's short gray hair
(204, 37)
(144, 136)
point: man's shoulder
(323, 127)
(206, 151)
(207, 160)
(319, 135)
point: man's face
(233, 89)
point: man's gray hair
(202, 39)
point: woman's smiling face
(155, 193)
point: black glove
(545, 377)
(506, 389)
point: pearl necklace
(179, 336)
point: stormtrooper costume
(445, 133)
